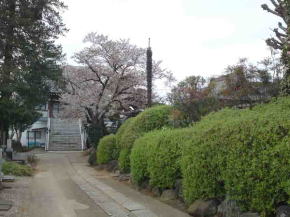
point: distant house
(54, 133)
(36, 135)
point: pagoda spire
(149, 74)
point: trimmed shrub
(122, 130)
(164, 160)
(124, 160)
(140, 156)
(244, 154)
(148, 120)
(156, 157)
(107, 149)
(12, 168)
(258, 164)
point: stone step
(62, 127)
(66, 147)
(63, 144)
(64, 135)
(59, 120)
(64, 124)
(75, 140)
(65, 128)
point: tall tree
(149, 75)
(281, 41)
(30, 61)
(111, 79)
(245, 84)
(191, 98)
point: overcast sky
(192, 37)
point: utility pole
(149, 75)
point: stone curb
(114, 203)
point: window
(34, 135)
(37, 134)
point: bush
(148, 120)
(12, 168)
(107, 149)
(244, 154)
(151, 119)
(156, 157)
(164, 158)
(124, 160)
(140, 156)
(122, 129)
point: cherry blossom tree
(110, 78)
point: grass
(16, 169)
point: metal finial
(149, 42)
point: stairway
(64, 135)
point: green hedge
(140, 156)
(148, 120)
(156, 157)
(244, 154)
(107, 149)
(121, 131)
(164, 159)
(124, 160)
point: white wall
(41, 123)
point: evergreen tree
(30, 61)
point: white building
(53, 133)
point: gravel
(17, 192)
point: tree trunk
(285, 84)
(96, 130)
(7, 68)
(8, 52)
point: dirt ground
(65, 186)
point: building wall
(39, 126)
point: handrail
(48, 132)
(81, 132)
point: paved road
(65, 186)
(55, 194)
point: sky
(191, 37)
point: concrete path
(65, 186)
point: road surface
(65, 186)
